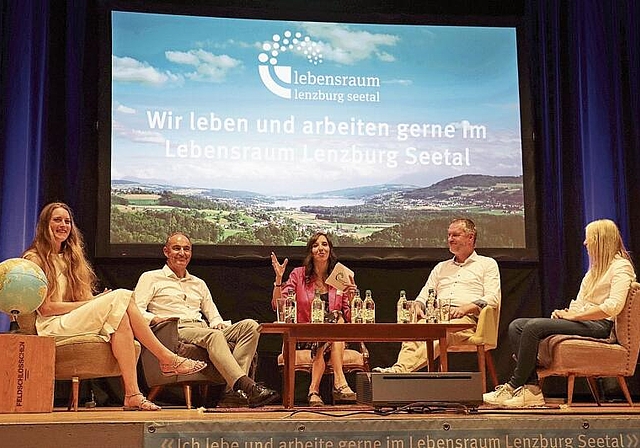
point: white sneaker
(527, 396)
(502, 393)
(383, 370)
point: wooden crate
(27, 373)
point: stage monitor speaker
(402, 389)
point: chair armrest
(364, 350)
(487, 329)
(167, 333)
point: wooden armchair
(482, 342)
(78, 357)
(576, 356)
(352, 361)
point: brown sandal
(315, 399)
(144, 405)
(182, 366)
(344, 393)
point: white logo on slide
(279, 45)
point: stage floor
(581, 426)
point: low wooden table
(383, 332)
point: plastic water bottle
(402, 313)
(436, 307)
(357, 308)
(317, 309)
(437, 316)
(369, 308)
(291, 308)
(431, 315)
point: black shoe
(260, 396)
(233, 399)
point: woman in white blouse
(601, 298)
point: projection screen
(249, 133)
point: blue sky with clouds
(180, 65)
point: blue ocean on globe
(23, 286)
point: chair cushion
(564, 355)
(86, 357)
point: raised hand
(277, 267)
(350, 290)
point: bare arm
(49, 308)
(279, 271)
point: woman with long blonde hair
(70, 307)
(601, 298)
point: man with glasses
(172, 292)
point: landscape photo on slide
(262, 132)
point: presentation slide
(253, 132)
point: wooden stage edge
(580, 426)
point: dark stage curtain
(47, 133)
(23, 83)
(585, 83)
(23, 125)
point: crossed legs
(132, 325)
(232, 364)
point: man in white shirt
(172, 292)
(468, 281)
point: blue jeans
(526, 333)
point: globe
(23, 286)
